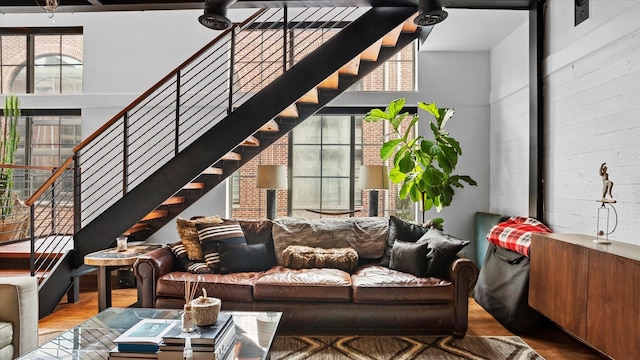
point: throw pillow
(409, 257)
(236, 258)
(259, 232)
(306, 257)
(189, 235)
(443, 249)
(180, 252)
(400, 229)
(211, 235)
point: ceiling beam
(31, 6)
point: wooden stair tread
(174, 200)
(290, 112)
(391, 39)
(270, 126)
(213, 171)
(351, 68)
(330, 82)
(231, 156)
(137, 228)
(371, 54)
(251, 141)
(311, 97)
(155, 214)
(193, 186)
(409, 26)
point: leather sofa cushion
(367, 235)
(235, 286)
(376, 284)
(280, 283)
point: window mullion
(31, 60)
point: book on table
(203, 335)
(145, 336)
(220, 351)
(115, 354)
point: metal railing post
(177, 140)
(77, 200)
(232, 60)
(32, 255)
(125, 153)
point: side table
(111, 259)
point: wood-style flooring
(549, 341)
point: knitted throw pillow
(189, 235)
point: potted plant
(422, 167)
(13, 213)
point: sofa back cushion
(367, 235)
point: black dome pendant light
(215, 14)
(430, 12)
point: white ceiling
(473, 30)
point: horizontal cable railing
(48, 222)
(178, 109)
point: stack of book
(213, 342)
(142, 340)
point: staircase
(201, 123)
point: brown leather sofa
(374, 298)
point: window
(41, 60)
(322, 162)
(324, 154)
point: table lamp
(271, 177)
(374, 177)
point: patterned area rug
(401, 348)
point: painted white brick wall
(592, 116)
(509, 139)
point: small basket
(206, 310)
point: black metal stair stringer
(237, 126)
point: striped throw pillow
(228, 232)
(194, 267)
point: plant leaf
(430, 108)
(376, 115)
(445, 115)
(454, 143)
(468, 180)
(395, 107)
(397, 176)
(387, 148)
(406, 164)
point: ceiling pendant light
(215, 15)
(430, 12)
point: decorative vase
(188, 319)
(206, 310)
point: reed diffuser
(188, 315)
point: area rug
(401, 348)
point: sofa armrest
(147, 269)
(19, 299)
(464, 274)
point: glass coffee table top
(93, 339)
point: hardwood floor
(549, 341)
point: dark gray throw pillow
(409, 257)
(400, 229)
(443, 249)
(235, 258)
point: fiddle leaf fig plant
(422, 167)
(8, 147)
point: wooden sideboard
(590, 290)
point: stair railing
(164, 120)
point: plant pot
(206, 310)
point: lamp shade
(271, 177)
(374, 177)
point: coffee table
(93, 339)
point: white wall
(592, 82)
(509, 167)
(461, 80)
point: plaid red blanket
(515, 233)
